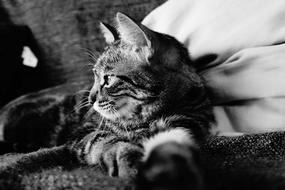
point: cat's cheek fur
(104, 113)
(177, 135)
(126, 108)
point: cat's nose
(92, 98)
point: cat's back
(44, 118)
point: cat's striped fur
(154, 108)
(150, 95)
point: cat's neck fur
(188, 109)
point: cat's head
(141, 74)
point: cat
(154, 108)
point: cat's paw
(121, 159)
(170, 166)
(118, 157)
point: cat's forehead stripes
(118, 59)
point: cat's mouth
(106, 109)
(122, 110)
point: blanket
(241, 162)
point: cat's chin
(124, 117)
(105, 113)
(110, 117)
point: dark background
(61, 33)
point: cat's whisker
(82, 91)
(85, 95)
(92, 55)
(89, 64)
(100, 124)
(78, 107)
(88, 113)
(85, 99)
(115, 112)
(86, 66)
(117, 115)
(86, 50)
(85, 105)
(128, 133)
(82, 105)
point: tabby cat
(154, 109)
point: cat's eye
(128, 80)
(108, 80)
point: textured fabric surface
(246, 162)
(243, 162)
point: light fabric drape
(246, 71)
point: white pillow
(247, 77)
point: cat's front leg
(116, 155)
(170, 162)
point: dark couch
(63, 35)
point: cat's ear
(132, 32)
(110, 33)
